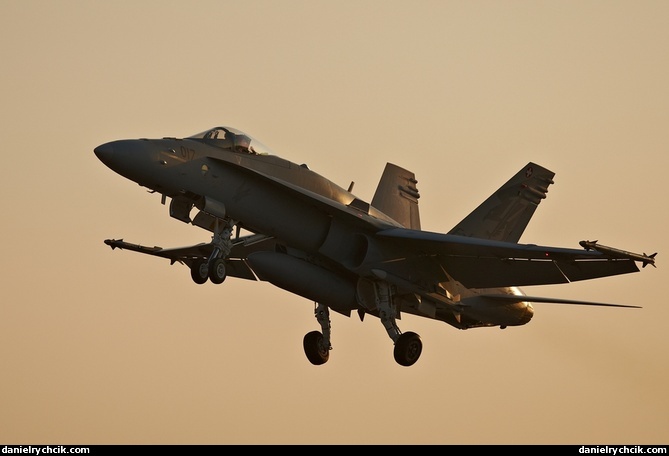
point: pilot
(241, 143)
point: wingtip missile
(588, 245)
(113, 243)
(643, 258)
(651, 260)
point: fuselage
(224, 173)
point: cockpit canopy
(227, 137)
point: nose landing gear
(213, 268)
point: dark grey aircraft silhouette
(315, 239)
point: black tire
(408, 349)
(217, 272)
(316, 353)
(199, 272)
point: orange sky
(102, 346)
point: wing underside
(235, 264)
(481, 263)
(475, 272)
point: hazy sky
(100, 346)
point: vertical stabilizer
(506, 213)
(397, 196)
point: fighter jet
(277, 221)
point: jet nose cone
(104, 152)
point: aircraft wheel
(217, 271)
(199, 272)
(408, 349)
(313, 347)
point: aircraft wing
(235, 264)
(483, 263)
(179, 254)
(474, 262)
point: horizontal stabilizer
(508, 297)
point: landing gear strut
(408, 346)
(316, 344)
(213, 268)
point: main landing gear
(213, 268)
(408, 346)
(317, 344)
